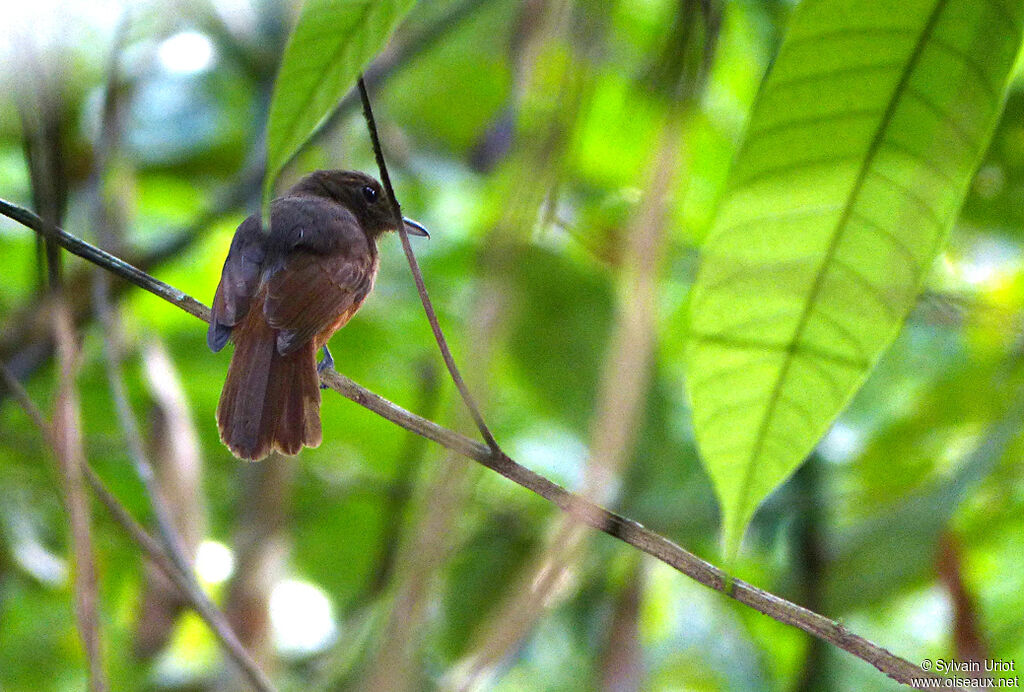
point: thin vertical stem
(417, 275)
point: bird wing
(314, 293)
(238, 282)
(315, 264)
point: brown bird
(282, 296)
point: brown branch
(40, 107)
(417, 275)
(621, 528)
(112, 264)
(968, 638)
(66, 440)
(195, 596)
(620, 665)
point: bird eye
(369, 194)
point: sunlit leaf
(332, 43)
(858, 156)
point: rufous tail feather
(269, 401)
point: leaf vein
(812, 77)
(970, 62)
(923, 205)
(797, 123)
(844, 332)
(894, 239)
(931, 165)
(788, 215)
(966, 137)
(778, 171)
(887, 117)
(799, 348)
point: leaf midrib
(841, 225)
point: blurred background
(567, 198)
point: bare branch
(112, 264)
(620, 667)
(196, 597)
(66, 439)
(108, 230)
(621, 528)
(40, 107)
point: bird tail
(269, 401)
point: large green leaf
(858, 155)
(331, 44)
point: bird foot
(326, 363)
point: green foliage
(563, 104)
(563, 371)
(331, 44)
(857, 158)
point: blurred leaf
(665, 467)
(862, 567)
(417, 98)
(488, 564)
(332, 42)
(561, 326)
(859, 153)
(996, 198)
(895, 549)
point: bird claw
(326, 363)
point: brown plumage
(280, 298)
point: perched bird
(280, 298)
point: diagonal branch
(616, 526)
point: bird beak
(415, 228)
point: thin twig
(40, 106)
(68, 448)
(135, 449)
(109, 262)
(191, 591)
(625, 530)
(428, 307)
(195, 596)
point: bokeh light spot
(187, 52)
